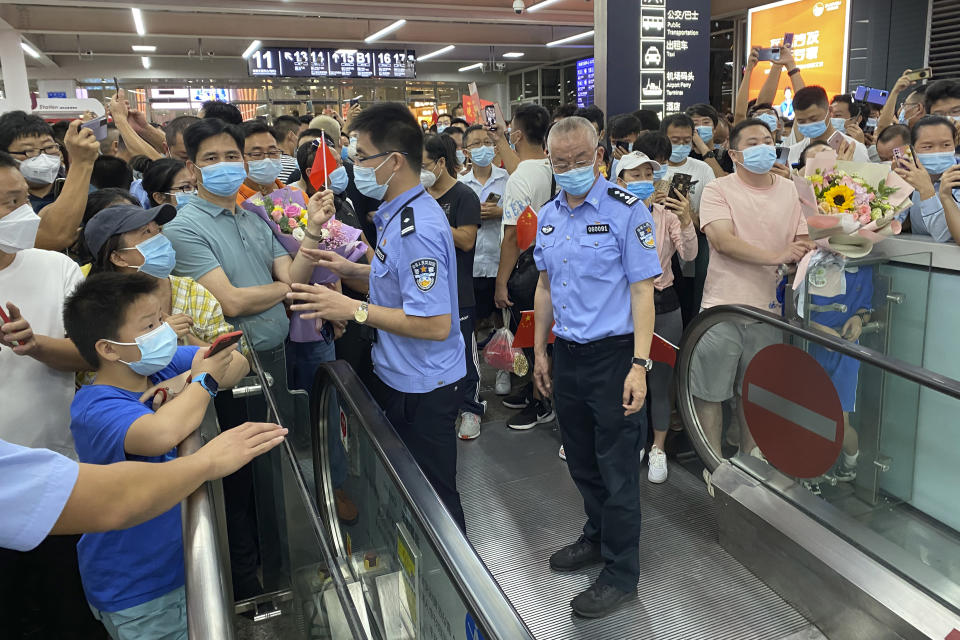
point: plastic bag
(500, 353)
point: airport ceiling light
(542, 5)
(144, 48)
(146, 62)
(138, 21)
(33, 53)
(569, 39)
(513, 54)
(438, 52)
(385, 31)
(471, 67)
(253, 46)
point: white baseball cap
(633, 160)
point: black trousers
(41, 595)
(602, 447)
(470, 384)
(426, 422)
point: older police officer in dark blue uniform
(597, 259)
(418, 351)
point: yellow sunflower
(839, 197)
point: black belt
(666, 301)
(611, 341)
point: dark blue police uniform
(592, 254)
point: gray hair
(572, 125)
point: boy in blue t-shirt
(133, 579)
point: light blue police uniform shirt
(206, 236)
(592, 254)
(36, 485)
(415, 268)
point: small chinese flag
(323, 165)
(435, 116)
(523, 338)
(663, 351)
(526, 228)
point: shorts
(163, 618)
(843, 371)
(483, 291)
(721, 358)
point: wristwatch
(209, 383)
(646, 363)
(360, 315)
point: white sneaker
(657, 471)
(563, 454)
(503, 382)
(469, 426)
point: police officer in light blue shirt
(418, 348)
(596, 253)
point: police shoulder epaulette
(625, 197)
(407, 223)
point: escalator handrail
(326, 548)
(484, 597)
(714, 315)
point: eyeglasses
(361, 159)
(562, 167)
(182, 189)
(952, 112)
(273, 154)
(50, 150)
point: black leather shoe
(599, 600)
(581, 553)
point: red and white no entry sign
(793, 411)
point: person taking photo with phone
(812, 119)
(934, 175)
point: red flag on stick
(523, 338)
(323, 165)
(526, 228)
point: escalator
(745, 550)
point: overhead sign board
(821, 31)
(285, 62)
(585, 85)
(674, 54)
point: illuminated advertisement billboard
(821, 35)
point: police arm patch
(424, 273)
(645, 235)
(625, 197)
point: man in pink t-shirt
(753, 221)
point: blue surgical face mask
(264, 171)
(366, 180)
(937, 163)
(759, 159)
(705, 133)
(338, 180)
(483, 156)
(159, 257)
(344, 153)
(643, 189)
(838, 123)
(183, 198)
(872, 123)
(576, 182)
(769, 119)
(442, 127)
(224, 178)
(157, 349)
(461, 156)
(812, 129)
(680, 152)
(659, 173)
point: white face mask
(40, 169)
(427, 178)
(18, 229)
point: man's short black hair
(852, 105)
(7, 161)
(533, 120)
(681, 120)
(624, 125)
(176, 127)
(594, 114)
(391, 127)
(253, 127)
(939, 90)
(225, 111)
(307, 152)
(564, 111)
(97, 308)
(740, 126)
(199, 131)
(893, 131)
(310, 133)
(59, 129)
(306, 119)
(703, 110)
(810, 96)
(19, 124)
(932, 121)
(444, 115)
(471, 129)
(111, 171)
(761, 106)
(655, 144)
(460, 123)
(285, 125)
(649, 120)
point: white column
(13, 69)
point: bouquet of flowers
(850, 206)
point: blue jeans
(303, 360)
(163, 618)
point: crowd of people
(123, 260)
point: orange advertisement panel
(820, 35)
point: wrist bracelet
(793, 71)
(312, 237)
